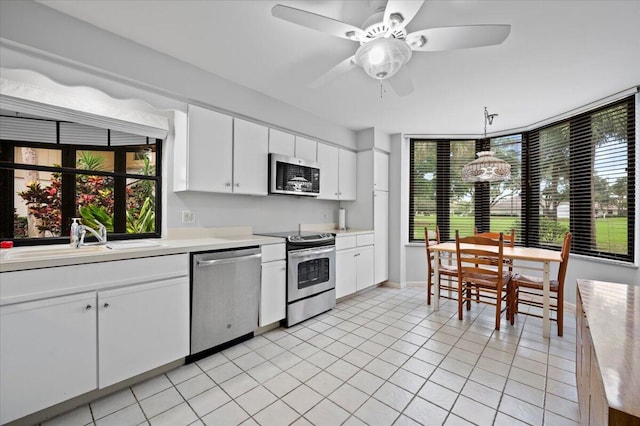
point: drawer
(273, 252)
(343, 243)
(364, 240)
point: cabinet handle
(237, 184)
(106, 305)
(227, 184)
(88, 307)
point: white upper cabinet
(306, 149)
(347, 166)
(217, 153)
(281, 143)
(202, 158)
(337, 173)
(328, 159)
(250, 157)
(380, 171)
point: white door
(380, 171)
(381, 234)
(273, 292)
(47, 353)
(348, 165)
(346, 272)
(141, 327)
(210, 150)
(250, 157)
(365, 267)
(328, 157)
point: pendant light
(487, 167)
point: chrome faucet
(81, 232)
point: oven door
(310, 271)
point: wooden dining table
(528, 254)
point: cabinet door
(328, 157)
(365, 267)
(209, 150)
(381, 235)
(380, 171)
(346, 272)
(141, 327)
(306, 148)
(47, 353)
(348, 167)
(281, 143)
(273, 297)
(250, 158)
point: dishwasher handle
(205, 263)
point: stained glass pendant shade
(487, 167)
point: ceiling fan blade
(401, 12)
(343, 67)
(318, 22)
(461, 37)
(401, 83)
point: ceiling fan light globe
(383, 57)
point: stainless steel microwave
(293, 176)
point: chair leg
(468, 298)
(560, 313)
(429, 291)
(460, 301)
(498, 309)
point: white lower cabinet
(346, 272)
(273, 292)
(273, 287)
(47, 353)
(354, 264)
(141, 327)
(365, 268)
(57, 348)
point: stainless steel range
(311, 274)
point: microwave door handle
(312, 252)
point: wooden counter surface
(613, 314)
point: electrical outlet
(188, 216)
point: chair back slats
(509, 239)
(478, 265)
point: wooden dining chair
(527, 289)
(481, 269)
(509, 240)
(447, 272)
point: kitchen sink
(32, 253)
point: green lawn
(611, 233)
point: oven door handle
(312, 252)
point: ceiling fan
(385, 45)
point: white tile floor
(382, 357)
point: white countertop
(47, 256)
(62, 255)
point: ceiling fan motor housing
(374, 27)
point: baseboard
(391, 284)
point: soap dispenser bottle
(73, 234)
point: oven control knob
(295, 238)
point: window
(575, 175)
(438, 196)
(505, 198)
(582, 174)
(102, 176)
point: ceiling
(560, 55)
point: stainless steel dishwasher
(225, 296)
